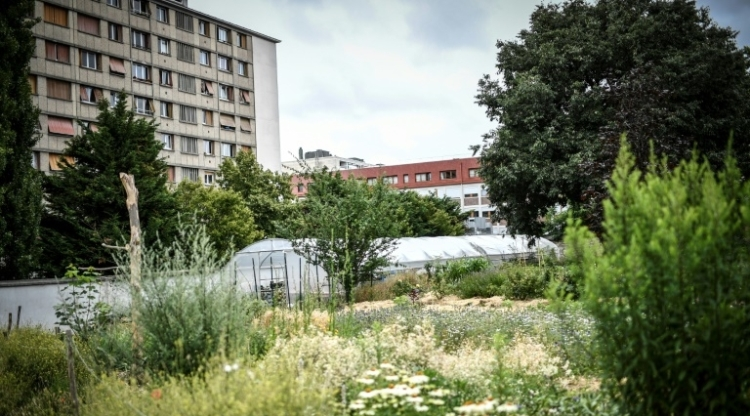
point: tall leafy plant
(671, 289)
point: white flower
(507, 407)
(357, 405)
(439, 393)
(227, 368)
(365, 380)
(418, 379)
(372, 373)
(391, 378)
(416, 399)
(387, 366)
(437, 402)
(368, 394)
(421, 408)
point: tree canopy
(663, 72)
(268, 195)
(20, 183)
(86, 200)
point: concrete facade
(154, 50)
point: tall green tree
(346, 226)
(268, 195)
(584, 73)
(428, 215)
(86, 200)
(20, 183)
(229, 222)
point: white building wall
(267, 104)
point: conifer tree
(20, 184)
(86, 200)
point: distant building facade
(319, 159)
(455, 178)
(210, 84)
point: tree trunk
(134, 249)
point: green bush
(670, 291)
(515, 281)
(454, 271)
(34, 373)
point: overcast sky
(392, 80)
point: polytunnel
(271, 265)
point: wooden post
(10, 324)
(134, 249)
(72, 371)
(18, 317)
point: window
(115, 32)
(140, 40)
(186, 83)
(227, 150)
(113, 98)
(185, 53)
(59, 125)
(162, 14)
(165, 109)
(187, 115)
(144, 106)
(141, 72)
(89, 59)
(300, 187)
(245, 125)
(226, 93)
(208, 147)
(190, 174)
(184, 21)
(204, 57)
(406, 178)
(164, 46)
(372, 181)
(114, 3)
(189, 145)
(474, 173)
(57, 52)
(165, 77)
(203, 28)
(32, 84)
(55, 15)
(57, 161)
(90, 95)
(35, 160)
(207, 87)
(91, 126)
(241, 40)
(208, 117)
(447, 174)
(393, 180)
(242, 68)
(139, 7)
(116, 66)
(208, 179)
(168, 141)
(244, 97)
(222, 34)
(58, 89)
(88, 24)
(423, 177)
(224, 63)
(226, 121)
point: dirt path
(451, 302)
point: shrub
(514, 280)
(392, 286)
(670, 293)
(34, 372)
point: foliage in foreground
(669, 291)
(20, 183)
(583, 73)
(34, 373)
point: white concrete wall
(267, 104)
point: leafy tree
(229, 222)
(86, 200)
(668, 288)
(345, 227)
(428, 215)
(20, 184)
(268, 195)
(584, 73)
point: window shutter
(88, 24)
(59, 125)
(116, 65)
(226, 120)
(83, 94)
(245, 125)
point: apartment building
(210, 84)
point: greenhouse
(271, 265)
